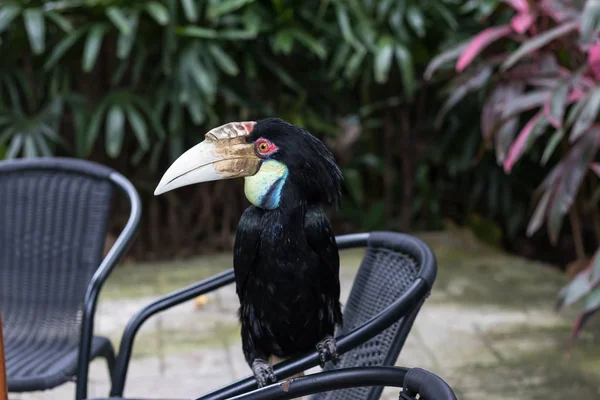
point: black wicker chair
(54, 214)
(396, 275)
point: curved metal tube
(413, 381)
(168, 301)
(329, 380)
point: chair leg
(111, 363)
(108, 353)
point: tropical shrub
(132, 84)
(539, 69)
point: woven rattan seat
(54, 214)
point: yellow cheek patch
(263, 189)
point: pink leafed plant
(540, 69)
(479, 42)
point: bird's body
(287, 275)
(286, 260)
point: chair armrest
(428, 385)
(433, 387)
(168, 301)
(345, 343)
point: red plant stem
(154, 224)
(576, 228)
(544, 22)
(388, 176)
(407, 171)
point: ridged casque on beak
(224, 154)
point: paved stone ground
(489, 329)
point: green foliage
(551, 79)
(132, 84)
(175, 62)
(136, 83)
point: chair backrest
(3, 385)
(54, 214)
(387, 271)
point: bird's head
(282, 164)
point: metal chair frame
(407, 305)
(115, 254)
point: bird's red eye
(265, 147)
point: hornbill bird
(286, 260)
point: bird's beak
(224, 154)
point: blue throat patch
(263, 189)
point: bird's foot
(327, 349)
(263, 372)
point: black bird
(286, 260)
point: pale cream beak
(224, 154)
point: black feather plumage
(286, 260)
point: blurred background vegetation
(132, 84)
